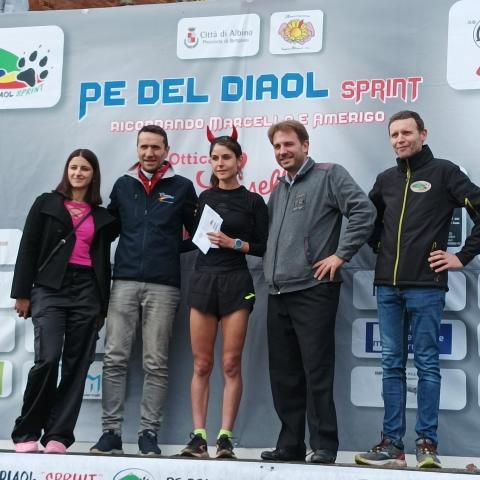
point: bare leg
(234, 330)
(203, 331)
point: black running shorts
(221, 293)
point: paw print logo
(32, 69)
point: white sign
(9, 243)
(366, 388)
(364, 299)
(93, 383)
(296, 32)
(5, 378)
(463, 57)
(7, 331)
(218, 37)
(31, 63)
(5, 288)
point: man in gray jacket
(304, 254)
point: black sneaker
(147, 444)
(225, 447)
(196, 447)
(109, 442)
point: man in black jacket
(153, 204)
(415, 201)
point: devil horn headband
(211, 136)
(234, 135)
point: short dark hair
(289, 125)
(154, 129)
(93, 196)
(229, 143)
(405, 115)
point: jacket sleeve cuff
(344, 255)
(464, 258)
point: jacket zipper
(400, 225)
(144, 239)
(278, 236)
(469, 205)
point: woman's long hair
(92, 196)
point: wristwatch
(237, 244)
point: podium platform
(82, 466)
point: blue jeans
(422, 309)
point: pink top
(83, 234)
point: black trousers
(64, 323)
(301, 346)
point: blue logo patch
(165, 198)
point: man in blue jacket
(415, 201)
(305, 251)
(153, 204)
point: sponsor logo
(191, 39)
(218, 37)
(165, 198)
(372, 338)
(18, 73)
(133, 474)
(16, 475)
(297, 31)
(445, 339)
(31, 62)
(373, 344)
(421, 186)
(93, 382)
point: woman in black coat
(62, 280)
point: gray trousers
(154, 307)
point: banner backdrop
(92, 78)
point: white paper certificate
(210, 221)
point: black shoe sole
(226, 454)
(95, 451)
(284, 459)
(193, 455)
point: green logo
(133, 474)
(420, 186)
